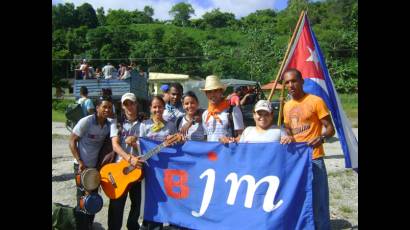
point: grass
(58, 116)
(58, 109)
(350, 105)
(346, 209)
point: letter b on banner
(176, 179)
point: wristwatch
(323, 138)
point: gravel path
(343, 183)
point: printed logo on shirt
(297, 122)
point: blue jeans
(320, 195)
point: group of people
(306, 119)
(86, 71)
(244, 95)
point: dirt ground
(343, 183)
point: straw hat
(213, 82)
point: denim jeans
(320, 195)
(116, 209)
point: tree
(140, 17)
(98, 37)
(218, 19)
(64, 16)
(119, 17)
(260, 18)
(59, 68)
(182, 13)
(149, 11)
(101, 16)
(76, 40)
(87, 16)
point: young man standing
(216, 119)
(86, 103)
(173, 108)
(124, 142)
(86, 141)
(304, 116)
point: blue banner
(208, 185)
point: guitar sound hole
(125, 171)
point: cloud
(161, 7)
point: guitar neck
(153, 151)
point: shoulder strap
(230, 120)
(179, 119)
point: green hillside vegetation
(251, 47)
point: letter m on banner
(306, 56)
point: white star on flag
(313, 57)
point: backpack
(63, 217)
(74, 113)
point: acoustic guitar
(116, 177)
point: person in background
(220, 119)
(249, 97)
(108, 71)
(84, 68)
(98, 73)
(174, 108)
(86, 103)
(165, 89)
(127, 73)
(304, 117)
(235, 96)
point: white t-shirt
(196, 132)
(129, 128)
(172, 115)
(215, 130)
(251, 135)
(145, 130)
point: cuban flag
(306, 56)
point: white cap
(128, 96)
(263, 105)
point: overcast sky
(161, 7)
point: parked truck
(98, 87)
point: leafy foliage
(251, 47)
(182, 13)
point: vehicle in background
(115, 88)
(247, 108)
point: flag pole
(286, 56)
(282, 100)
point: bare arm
(288, 138)
(244, 99)
(238, 132)
(116, 146)
(132, 159)
(330, 131)
(74, 150)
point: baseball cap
(128, 96)
(164, 88)
(263, 105)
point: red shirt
(234, 100)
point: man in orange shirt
(304, 117)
